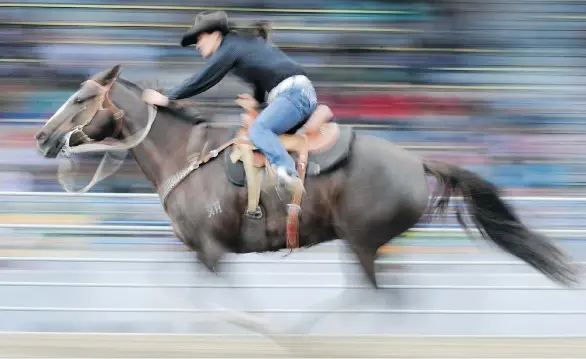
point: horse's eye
(81, 100)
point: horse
(372, 191)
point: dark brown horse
(378, 192)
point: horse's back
(377, 150)
(383, 172)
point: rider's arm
(219, 64)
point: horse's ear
(112, 75)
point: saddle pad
(318, 163)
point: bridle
(105, 103)
(117, 114)
(126, 144)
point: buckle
(118, 115)
(66, 151)
(257, 214)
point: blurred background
(495, 86)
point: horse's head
(88, 114)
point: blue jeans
(287, 110)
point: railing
(108, 287)
(154, 196)
(141, 214)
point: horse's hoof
(248, 321)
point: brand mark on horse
(213, 208)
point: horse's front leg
(210, 255)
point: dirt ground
(45, 345)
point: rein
(121, 147)
(104, 97)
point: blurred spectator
(445, 59)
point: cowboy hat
(206, 22)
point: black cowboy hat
(206, 22)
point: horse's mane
(138, 90)
(130, 85)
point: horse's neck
(165, 149)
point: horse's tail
(496, 221)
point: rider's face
(207, 44)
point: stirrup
(257, 214)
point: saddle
(318, 135)
(318, 146)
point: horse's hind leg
(366, 258)
(354, 291)
(365, 249)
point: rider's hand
(153, 97)
(247, 102)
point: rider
(291, 95)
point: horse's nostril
(41, 136)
